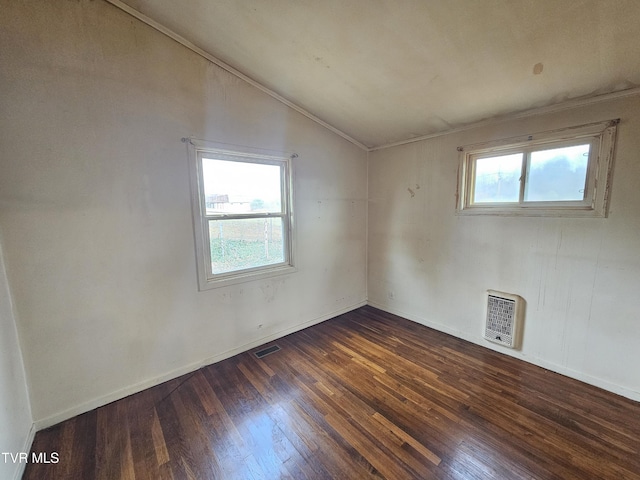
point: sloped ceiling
(383, 71)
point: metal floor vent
(266, 351)
(504, 318)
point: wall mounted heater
(504, 318)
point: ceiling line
(558, 107)
(186, 43)
(575, 103)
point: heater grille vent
(503, 318)
(266, 351)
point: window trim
(602, 137)
(206, 278)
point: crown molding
(558, 107)
(194, 48)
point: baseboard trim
(138, 387)
(567, 372)
(26, 448)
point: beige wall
(95, 206)
(15, 411)
(580, 278)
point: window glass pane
(497, 179)
(245, 243)
(241, 187)
(557, 174)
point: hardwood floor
(365, 395)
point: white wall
(579, 277)
(15, 412)
(95, 206)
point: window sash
(243, 271)
(284, 197)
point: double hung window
(242, 216)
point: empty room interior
(343, 239)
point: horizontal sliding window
(560, 173)
(496, 179)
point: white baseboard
(20, 466)
(125, 392)
(540, 362)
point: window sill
(571, 212)
(236, 278)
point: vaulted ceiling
(383, 71)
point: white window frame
(198, 149)
(601, 137)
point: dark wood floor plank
(344, 461)
(83, 451)
(341, 402)
(263, 380)
(247, 412)
(197, 454)
(365, 395)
